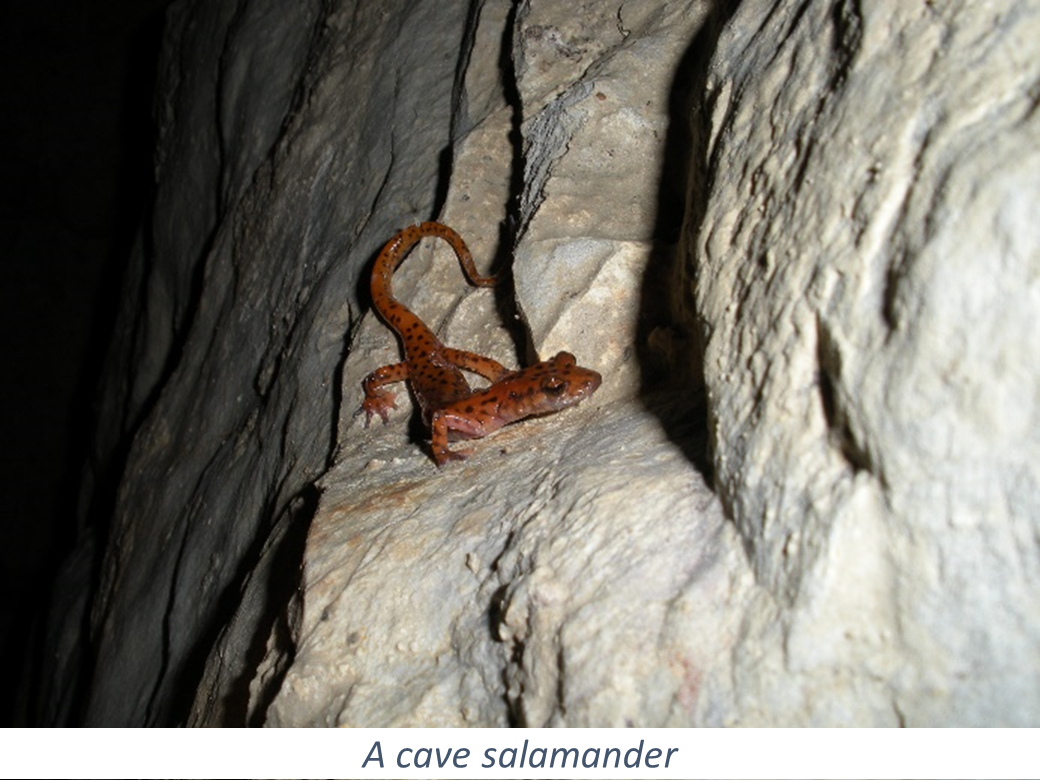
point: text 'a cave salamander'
(450, 409)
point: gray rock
(867, 283)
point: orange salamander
(450, 409)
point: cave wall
(795, 239)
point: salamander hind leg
(486, 367)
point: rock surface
(806, 492)
(869, 317)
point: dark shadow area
(505, 296)
(283, 615)
(501, 263)
(668, 338)
(266, 585)
(76, 86)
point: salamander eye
(552, 385)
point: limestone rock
(867, 282)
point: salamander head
(567, 382)
(549, 386)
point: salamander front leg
(377, 400)
(445, 423)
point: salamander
(451, 410)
